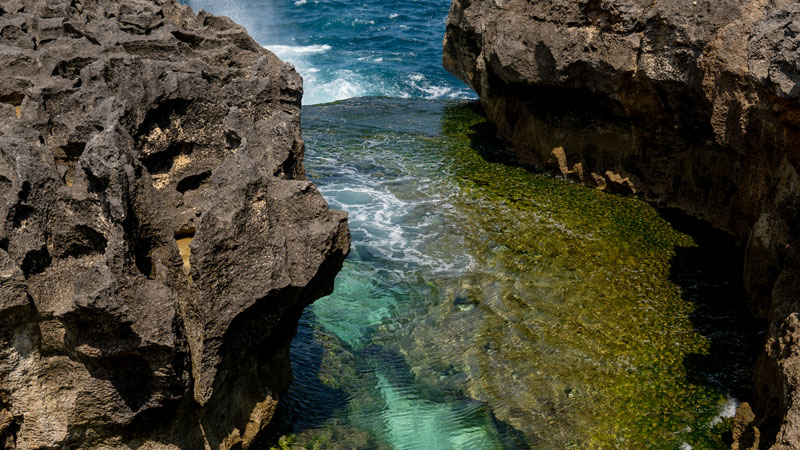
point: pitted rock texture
(158, 238)
(693, 104)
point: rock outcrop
(158, 238)
(689, 104)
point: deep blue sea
(482, 306)
(346, 49)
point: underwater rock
(689, 104)
(158, 238)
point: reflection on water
(484, 306)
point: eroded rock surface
(158, 238)
(690, 104)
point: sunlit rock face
(158, 238)
(690, 104)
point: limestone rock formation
(693, 104)
(158, 238)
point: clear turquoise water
(387, 173)
(482, 306)
(486, 307)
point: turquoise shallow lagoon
(484, 306)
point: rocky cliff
(158, 238)
(689, 104)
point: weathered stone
(745, 435)
(689, 104)
(158, 239)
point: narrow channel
(484, 306)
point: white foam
(430, 92)
(326, 85)
(379, 219)
(394, 15)
(345, 84)
(435, 91)
(298, 55)
(287, 52)
(727, 411)
(418, 82)
(300, 2)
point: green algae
(334, 437)
(565, 323)
(582, 336)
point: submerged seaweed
(486, 306)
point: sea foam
(289, 51)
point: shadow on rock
(483, 137)
(309, 403)
(710, 276)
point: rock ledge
(693, 104)
(158, 238)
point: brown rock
(158, 239)
(690, 104)
(745, 435)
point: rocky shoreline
(158, 238)
(689, 104)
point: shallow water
(484, 306)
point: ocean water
(487, 307)
(483, 306)
(346, 49)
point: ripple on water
(352, 49)
(484, 306)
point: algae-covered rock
(690, 104)
(158, 239)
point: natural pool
(484, 306)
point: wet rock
(158, 238)
(690, 104)
(744, 434)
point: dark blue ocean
(346, 49)
(482, 306)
